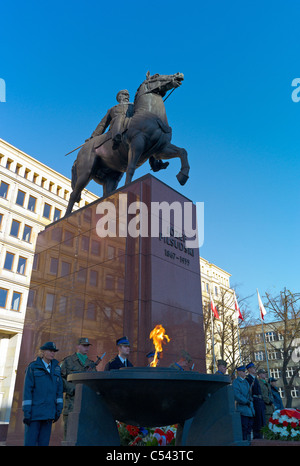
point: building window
(20, 198)
(3, 189)
(53, 265)
(271, 336)
(9, 259)
(15, 226)
(85, 243)
(68, 238)
(1, 218)
(93, 278)
(109, 282)
(65, 268)
(31, 298)
(31, 204)
(62, 305)
(21, 265)
(49, 302)
(3, 297)
(57, 214)
(16, 301)
(47, 210)
(259, 356)
(27, 233)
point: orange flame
(158, 335)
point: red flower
(133, 430)
(138, 439)
(294, 425)
(275, 421)
(169, 436)
(285, 423)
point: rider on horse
(117, 118)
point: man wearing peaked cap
(243, 401)
(150, 357)
(76, 362)
(42, 396)
(266, 392)
(121, 360)
(259, 406)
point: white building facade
(32, 195)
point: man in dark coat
(42, 396)
(259, 405)
(121, 360)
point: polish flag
(261, 306)
(213, 308)
(238, 311)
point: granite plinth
(105, 287)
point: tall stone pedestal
(106, 287)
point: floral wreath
(284, 424)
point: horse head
(159, 84)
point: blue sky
(64, 62)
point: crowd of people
(256, 397)
(48, 393)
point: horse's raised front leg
(171, 152)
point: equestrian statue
(137, 132)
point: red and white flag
(237, 309)
(213, 308)
(261, 306)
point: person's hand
(26, 421)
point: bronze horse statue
(148, 135)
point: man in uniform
(184, 363)
(259, 406)
(42, 396)
(266, 392)
(76, 362)
(243, 400)
(116, 119)
(121, 360)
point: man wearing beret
(259, 405)
(243, 401)
(42, 396)
(121, 360)
(76, 362)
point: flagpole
(238, 327)
(263, 332)
(212, 337)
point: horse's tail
(74, 180)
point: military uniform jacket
(254, 386)
(68, 366)
(242, 397)
(43, 391)
(267, 396)
(116, 363)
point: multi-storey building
(32, 195)
(264, 345)
(215, 284)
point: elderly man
(76, 362)
(266, 392)
(42, 396)
(243, 400)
